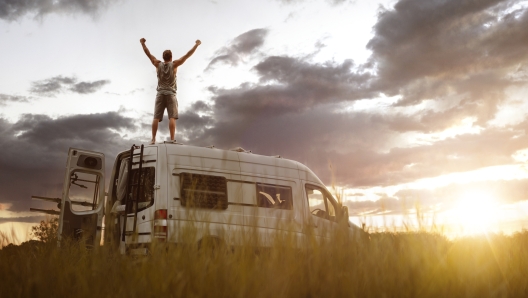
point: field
(409, 264)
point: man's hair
(167, 55)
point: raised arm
(186, 56)
(153, 59)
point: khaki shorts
(168, 102)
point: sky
(413, 109)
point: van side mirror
(344, 214)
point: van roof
(238, 154)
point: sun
(475, 212)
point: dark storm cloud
(420, 48)
(191, 124)
(244, 44)
(55, 85)
(11, 10)
(35, 150)
(200, 106)
(6, 99)
(289, 85)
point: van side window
(274, 196)
(203, 191)
(321, 203)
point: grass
(410, 264)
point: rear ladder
(131, 202)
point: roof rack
(240, 149)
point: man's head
(167, 55)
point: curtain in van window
(274, 196)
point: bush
(46, 231)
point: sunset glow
(475, 212)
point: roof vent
(240, 149)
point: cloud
(436, 54)
(352, 143)
(441, 199)
(55, 85)
(427, 50)
(11, 10)
(242, 45)
(507, 191)
(5, 99)
(447, 61)
(88, 87)
(35, 149)
(289, 85)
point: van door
(83, 194)
(271, 209)
(135, 184)
(323, 210)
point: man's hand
(152, 59)
(198, 42)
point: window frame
(274, 185)
(326, 196)
(96, 189)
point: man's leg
(172, 110)
(154, 130)
(159, 107)
(172, 128)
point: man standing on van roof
(166, 96)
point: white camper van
(157, 190)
